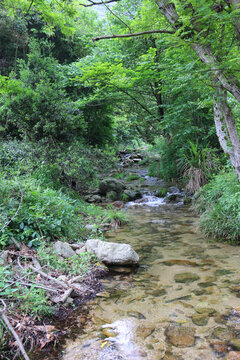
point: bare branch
(11, 329)
(118, 17)
(133, 34)
(93, 3)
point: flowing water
(177, 305)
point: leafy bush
(219, 205)
(76, 265)
(30, 300)
(43, 212)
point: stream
(180, 304)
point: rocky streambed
(181, 303)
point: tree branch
(93, 3)
(133, 34)
(116, 16)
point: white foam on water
(147, 200)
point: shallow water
(133, 317)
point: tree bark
(226, 129)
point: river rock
(186, 277)
(203, 309)
(93, 198)
(174, 190)
(132, 194)
(223, 334)
(111, 184)
(145, 329)
(63, 249)
(180, 336)
(136, 315)
(200, 319)
(179, 262)
(113, 253)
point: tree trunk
(226, 129)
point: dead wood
(13, 332)
(60, 283)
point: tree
(212, 30)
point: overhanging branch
(93, 3)
(133, 34)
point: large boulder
(112, 253)
(111, 184)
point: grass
(132, 177)
(162, 192)
(219, 205)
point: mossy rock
(187, 201)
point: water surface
(138, 314)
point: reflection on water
(177, 305)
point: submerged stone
(200, 319)
(222, 333)
(145, 329)
(179, 262)
(222, 272)
(206, 284)
(136, 315)
(186, 277)
(187, 297)
(180, 336)
(204, 310)
(157, 292)
(108, 332)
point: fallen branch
(14, 282)
(66, 295)
(39, 286)
(49, 277)
(11, 329)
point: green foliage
(43, 212)
(132, 177)
(218, 203)
(30, 300)
(162, 192)
(165, 166)
(197, 156)
(76, 265)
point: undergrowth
(218, 202)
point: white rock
(112, 253)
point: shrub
(219, 205)
(41, 212)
